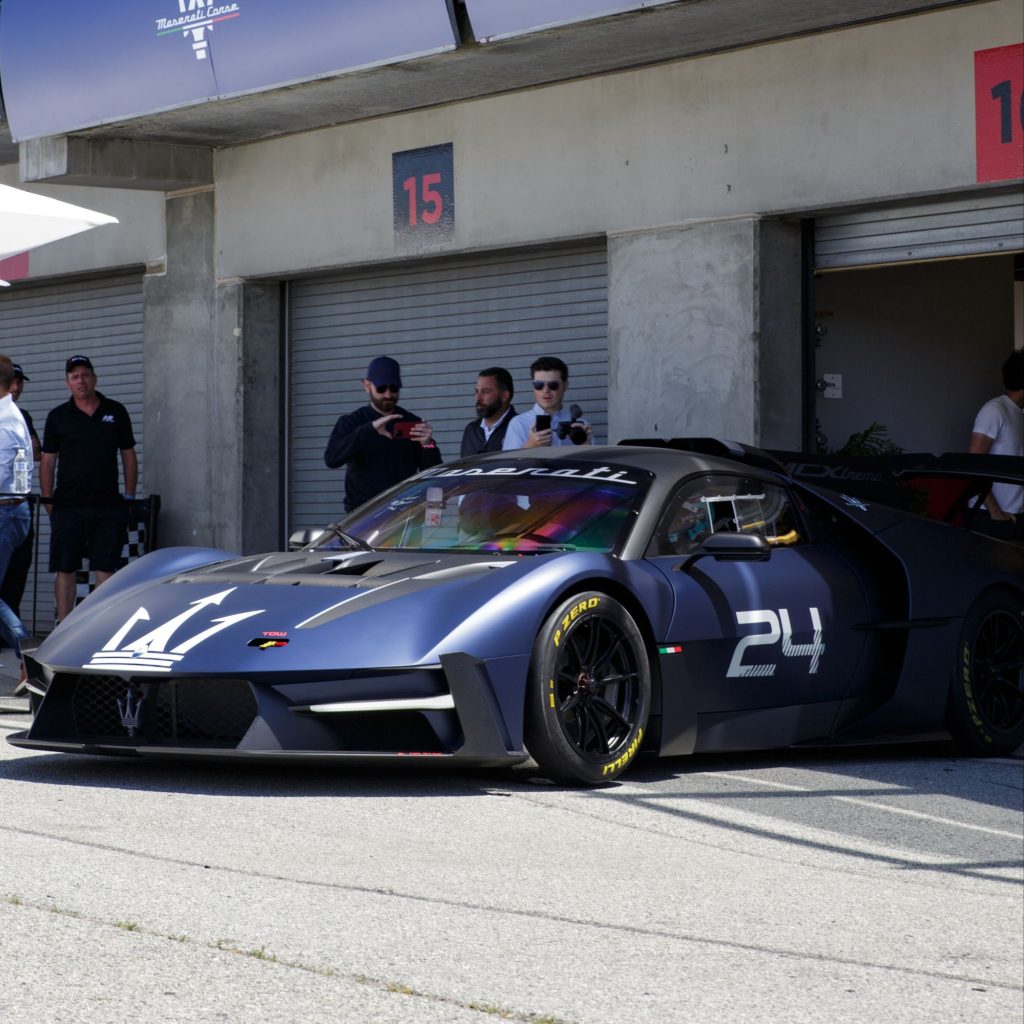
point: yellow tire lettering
(620, 762)
(572, 615)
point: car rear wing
(945, 487)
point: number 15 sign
(423, 197)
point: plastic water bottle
(21, 472)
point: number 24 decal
(779, 628)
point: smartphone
(542, 423)
(403, 428)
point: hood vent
(292, 568)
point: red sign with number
(14, 268)
(423, 196)
(999, 112)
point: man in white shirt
(999, 430)
(550, 380)
(15, 517)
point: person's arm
(468, 446)
(349, 437)
(515, 436)
(429, 456)
(980, 444)
(47, 466)
(130, 463)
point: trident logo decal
(131, 709)
(149, 653)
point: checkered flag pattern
(141, 539)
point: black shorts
(98, 534)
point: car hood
(298, 611)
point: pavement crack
(261, 953)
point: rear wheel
(589, 692)
(986, 702)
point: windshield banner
(67, 66)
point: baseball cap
(384, 370)
(19, 372)
(74, 361)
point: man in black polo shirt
(80, 441)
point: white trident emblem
(149, 653)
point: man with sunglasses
(376, 451)
(550, 382)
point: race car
(579, 606)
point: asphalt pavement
(885, 884)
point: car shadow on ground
(878, 770)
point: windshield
(523, 506)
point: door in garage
(443, 320)
(40, 326)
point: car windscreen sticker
(434, 508)
(604, 473)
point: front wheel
(986, 701)
(589, 692)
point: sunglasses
(387, 388)
(551, 385)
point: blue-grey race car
(579, 606)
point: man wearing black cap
(80, 441)
(13, 587)
(381, 443)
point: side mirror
(300, 538)
(730, 547)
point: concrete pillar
(212, 419)
(704, 332)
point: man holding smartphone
(545, 424)
(380, 444)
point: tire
(589, 691)
(986, 701)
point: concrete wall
(881, 111)
(212, 410)
(696, 316)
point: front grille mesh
(174, 711)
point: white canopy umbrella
(28, 220)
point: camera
(575, 431)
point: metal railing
(143, 536)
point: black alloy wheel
(986, 706)
(590, 691)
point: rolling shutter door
(443, 321)
(39, 328)
(976, 226)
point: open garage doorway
(915, 348)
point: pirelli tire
(986, 699)
(589, 692)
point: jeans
(15, 521)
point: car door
(775, 627)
